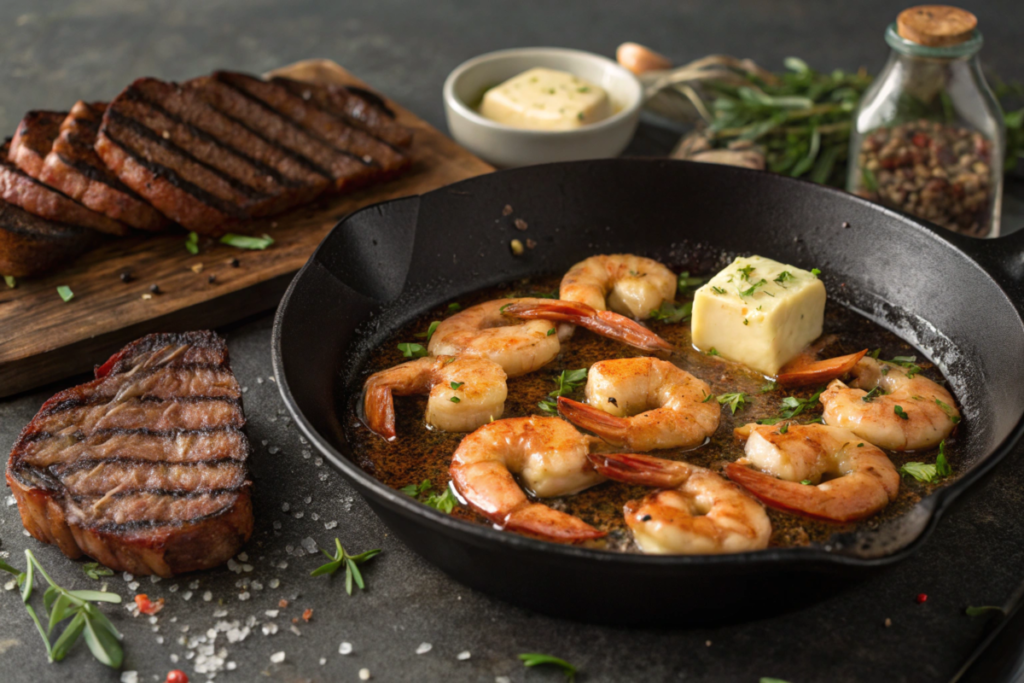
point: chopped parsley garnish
(533, 659)
(707, 397)
(192, 243)
(454, 307)
(746, 322)
(687, 284)
(410, 350)
(670, 312)
(815, 272)
(984, 609)
(456, 385)
(717, 290)
(734, 401)
(65, 293)
(771, 386)
(872, 395)
(247, 241)
(785, 276)
(455, 399)
(874, 354)
(94, 570)
(750, 290)
(926, 473)
(551, 331)
(445, 502)
(10, 281)
(805, 482)
(350, 562)
(565, 383)
(793, 406)
(784, 428)
(745, 272)
(900, 413)
(907, 362)
(430, 331)
(712, 351)
(948, 410)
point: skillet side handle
(370, 250)
(1003, 259)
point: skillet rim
(934, 505)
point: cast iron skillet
(957, 299)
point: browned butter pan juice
(420, 452)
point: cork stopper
(936, 25)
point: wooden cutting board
(42, 338)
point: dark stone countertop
(55, 53)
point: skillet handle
(1003, 259)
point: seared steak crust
(73, 167)
(36, 197)
(145, 467)
(33, 140)
(30, 245)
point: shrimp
(699, 513)
(643, 404)
(627, 284)
(913, 412)
(548, 455)
(464, 393)
(521, 335)
(861, 479)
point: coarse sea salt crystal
(243, 557)
(277, 657)
(174, 658)
(186, 596)
(207, 596)
(174, 588)
(154, 578)
(300, 514)
(244, 596)
(323, 476)
(463, 656)
(134, 585)
(193, 585)
(273, 450)
(364, 674)
(424, 648)
(220, 613)
(269, 628)
(272, 613)
(345, 649)
(274, 583)
(330, 525)
(129, 677)
(310, 545)
(323, 660)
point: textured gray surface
(55, 53)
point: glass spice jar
(928, 136)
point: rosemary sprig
(103, 639)
(350, 562)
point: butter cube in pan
(759, 312)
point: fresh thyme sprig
(350, 562)
(103, 639)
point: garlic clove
(640, 59)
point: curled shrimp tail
(539, 520)
(806, 374)
(641, 469)
(609, 427)
(604, 323)
(379, 410)
(807, 499)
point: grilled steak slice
(360, 108)
(145, 467)
(345, 169)
(323, 124)
(30, 245)
(21, 189)
(73, 167)
(34, 139)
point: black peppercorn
(155, 289)
(126, 277)
(212, 278)
(235, 263)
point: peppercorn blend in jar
(928, 136)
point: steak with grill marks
(144, 468)
(73, 167)
(36, 197)
(30, 245)
(33, 140)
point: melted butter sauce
(421, 453)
